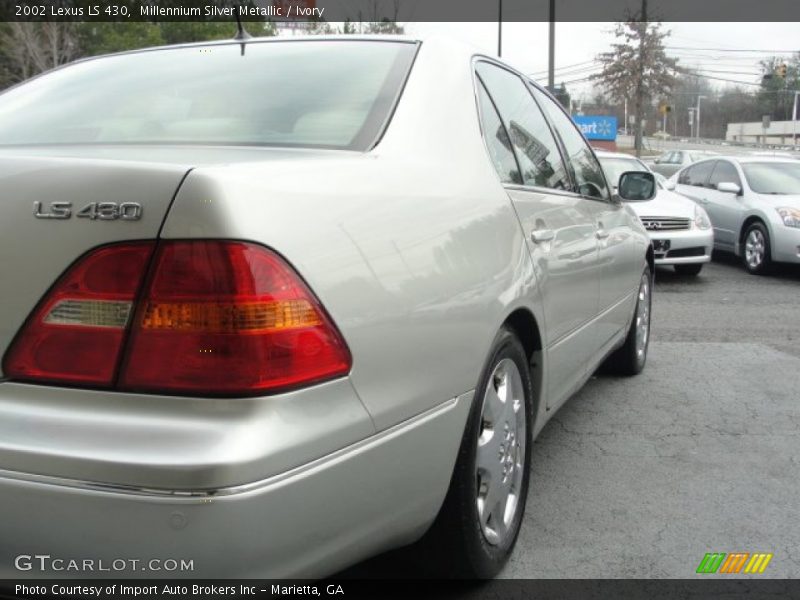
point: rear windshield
(773, 177)
(334, 94)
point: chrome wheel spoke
(488, 460)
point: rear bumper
(685, 247)
(307, 522)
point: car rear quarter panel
(413, 248)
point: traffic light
(781, 71)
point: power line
(753, 73)
(753, 50)
(586, 62)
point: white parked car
(753, 203)
(680, 229)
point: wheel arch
(525, 326)
(749, 220)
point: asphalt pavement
(641, 477)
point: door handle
(703, 200)
(542, 235)
(601, 234)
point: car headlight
(701, 220)
(790, 216)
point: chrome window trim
(476, 81)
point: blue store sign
(596, 127)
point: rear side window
(586, 170)
(698, 174)
(724, 172)
(497, 141)
(332, 94)
(533, 142)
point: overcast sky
(525, 46)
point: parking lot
(639, 478)
(701, 453)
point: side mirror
(657, 161)
(670, 185)
(637, 186)
(729, 187)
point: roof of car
(255, 40)
(744, 158)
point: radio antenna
(241, 33)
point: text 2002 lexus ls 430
(276, 307)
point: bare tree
(637, 67)
(30, 48)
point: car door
(618, 254)
(559, 224)
(725, 209)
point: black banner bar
(401, 11)
(713, 588)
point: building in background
(784, 133)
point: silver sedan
(754, 206)
(272, 307)
(672, 161)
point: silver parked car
(754, 206)
(679, 228)
(672, 161)
(276, 306)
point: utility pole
(698, 115)
(794, 119)
(500, 28)
(640, 81)
(625, 125)
(551, 66)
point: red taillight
(216, 318)
(228, 318)
(76, 334)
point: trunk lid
(41, 232)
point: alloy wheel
(500, 460)
(754, 249)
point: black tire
(763, 266)
(627, 360)
(689, 270)
(456, 546)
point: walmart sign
(597, 127)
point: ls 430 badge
(104, 211)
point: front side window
(698, 174)
(588, 173)
(336, 94)
(533, 142)
(724, 172)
